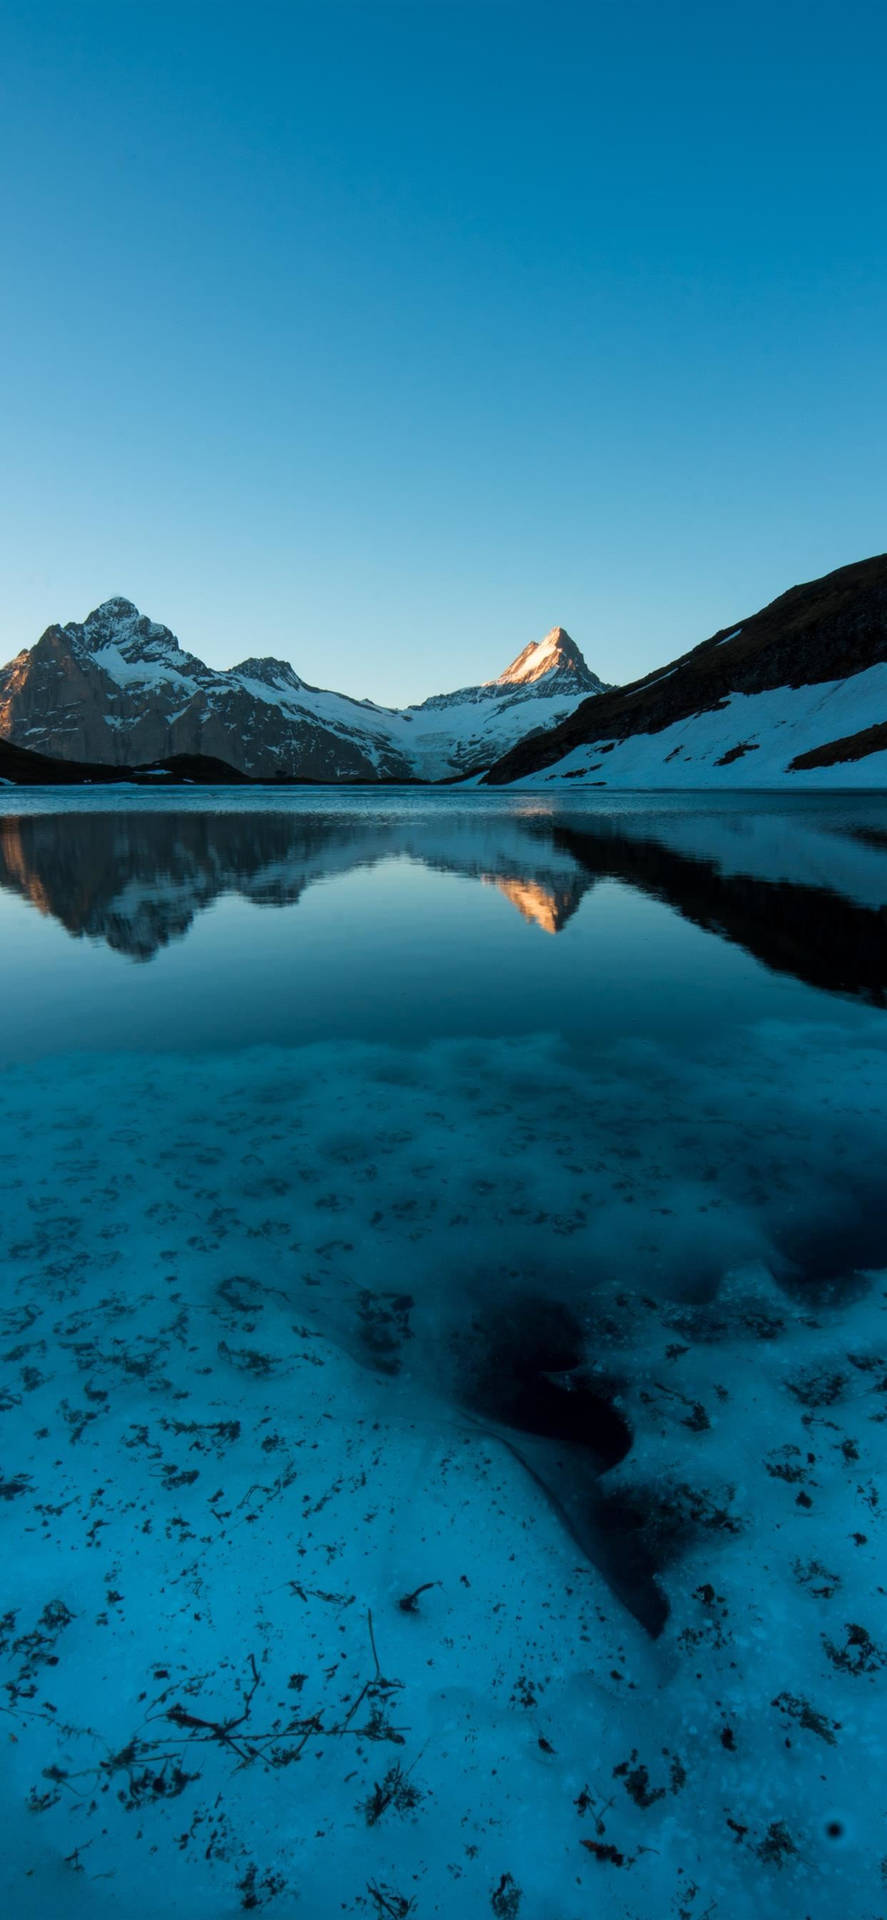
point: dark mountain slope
(827, 629)
(20, 767)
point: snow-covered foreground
(292, 1626)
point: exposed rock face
(119, 689)
(556, 654)
(830, 630)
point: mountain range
(792, 696)
(119, 690)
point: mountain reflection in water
(803, 891)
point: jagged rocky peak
(270, 672)
(117, 608)
(118, 623)
(556, 654)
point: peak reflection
(548, 907)
(806, 893)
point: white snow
(140, 671)
(776, 726)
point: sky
(385, 337)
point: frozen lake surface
(444, 1364)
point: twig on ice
(373, 1643)
(409, 1602)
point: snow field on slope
(777, 725)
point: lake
(444, 1372)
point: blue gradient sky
(384, 337)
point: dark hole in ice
(528, 1375)
(828, 1258)
(630, 1556)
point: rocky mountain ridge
(119, 690)
(795, 695)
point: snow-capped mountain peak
(118, 623)
(556, 653)
(120, 689)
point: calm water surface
(656, 980)
(207, 921)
